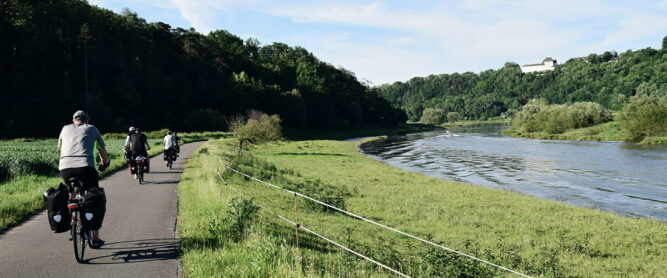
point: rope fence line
(299, 226)
(341, 246)
(375, 223)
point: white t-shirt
(169, 141)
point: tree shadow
(135, 251)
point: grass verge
(534, 236)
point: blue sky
(387, 41)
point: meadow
(533, 236)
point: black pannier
(56, 208)
(94, 208)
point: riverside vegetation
(530, 235)
(30, 166)
(632, 85)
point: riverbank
(534, 236)
(610, 131)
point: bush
(645, 114)
(433, 116)
(555, 119)
(453, 117)
(256, 127)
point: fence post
(296, 220)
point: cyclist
(76, 144)
(126, 148)
(138, 144)
(169, 146)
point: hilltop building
(547, 64)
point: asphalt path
(139, 229)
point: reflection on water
(625, 178)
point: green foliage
(257, 127)
(608, 79)
(234, 225)
(205, 119)
(433, 116)
(555, 119)
(154, 75)
(646, 113)
(453, 117)
(263, 170)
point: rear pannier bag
(56, 208)
(94, 208)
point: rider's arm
(103, 155)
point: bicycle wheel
(78, 238)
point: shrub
(256, 127)
(646, 113)
(453, 117)
(557, 118)
(433, 116)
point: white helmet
(132, 129)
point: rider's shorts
(88, 175)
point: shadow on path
(136, 251)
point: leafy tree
(433, 116)
(154, 75)
(256, 127)
(646, 113)
(453, 117)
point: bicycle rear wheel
(78, 238)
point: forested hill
(152, 75)
(607, 79)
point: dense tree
(153, 75)
(609, 79)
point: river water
(628, 179)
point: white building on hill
(547, 64)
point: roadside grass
(527, 234)
(609, 131)
(21, 196)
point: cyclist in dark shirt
(139, 144)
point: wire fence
(299, 226)
(374, 222)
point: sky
(387, 41)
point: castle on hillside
(547, 64)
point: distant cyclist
(126, 148)
(169, 146)
(138, 145)
(76, 143)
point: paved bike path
(139, 230)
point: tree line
(608, 79)
(60, 56)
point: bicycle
(79, 235)
(142, 167)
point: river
(628, 179)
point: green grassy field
(530, 235)
(28, 167)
